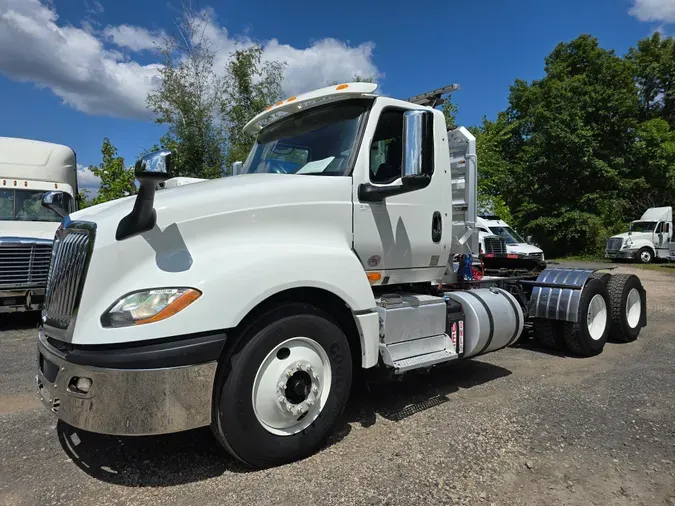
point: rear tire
(588, 335)
(264, 423)
(548, 334)
(626, 297)
(602, 276)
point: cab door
(406, 236)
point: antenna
(434, 97)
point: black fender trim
(174, 351)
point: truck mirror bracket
(149, 170)
(371, 193)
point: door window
(386, 150)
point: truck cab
(490, 226)
(648, 238)
(29, 169)
(247, 303)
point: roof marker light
(291, 99)
(342, 86)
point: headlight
(148, 306)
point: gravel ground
(519, 426)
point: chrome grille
(537, 255)
(494, 245)
(614, 244)
(24, 264)
(67, 270)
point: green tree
(654, 67)
(82, 198)
(494, 175)
(573, 134)
(117, 180)
(450, 112)
(250, 85)
(188, 99)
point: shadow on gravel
(152, 461)
(20, 321)
(173, 459)
(415, 392)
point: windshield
(319, 142)
(26, 205)
(508, 234)
(643, 226)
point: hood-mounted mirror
(150, 170)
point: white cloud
(78, 64)
(70, 61)
(86, 179)
(134, 38)
(654, 10)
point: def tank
(493, 319)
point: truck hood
(28, 229)
(522, 248)
(241, 194)
(634, 236)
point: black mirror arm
(143, 216)
(371, 193)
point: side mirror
(154, 166)
(56, 202)
(237, 167)
(418, 145)
(151, 170)
(528, 239)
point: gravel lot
(519, 426)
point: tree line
(575, 156)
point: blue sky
(74, 71)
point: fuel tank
(493, 319)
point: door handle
(436, 227)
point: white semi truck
(648, 238)
(492, 228)
(29, 169)
(248, 303)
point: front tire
(285, 388)
(645, 255)
(588, 335)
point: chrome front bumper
(14, 300)
(132, 402)
(628, 254)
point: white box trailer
(29, 169)
(247, 303)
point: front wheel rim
(633, 308)
(596, 319)
(291, 386)
(646, 256)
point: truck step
(418, 353)
(437, 357)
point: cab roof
(307, 100)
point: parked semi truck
(248, 303)
(28, 170)
(648, 238)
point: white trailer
(248, 303)
(648, 238)
(29, 169)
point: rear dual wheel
(283, 389)
(628, 307)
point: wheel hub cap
(596, 319)
(633, 308)
(291, 386)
